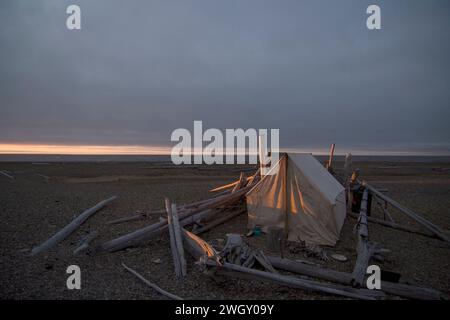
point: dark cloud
(139, 69)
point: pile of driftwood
(237, 259)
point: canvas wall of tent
(303, 198)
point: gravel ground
(34, 208)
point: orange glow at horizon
(6, 148)
(61, 149)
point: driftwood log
(364, 248)
(202, 251)
(142, 235)
(176, 241)
(71, 227)
(228, 269)
(398, 289)
(197, 247)
(219, 221)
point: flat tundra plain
(43, 198)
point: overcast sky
(137, 70)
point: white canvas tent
(302, 197)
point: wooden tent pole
(330, 159)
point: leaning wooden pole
(394, 225)
(330, 159)
(421, 220)
(71, 227)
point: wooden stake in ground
(71, 227)
(178, 239)
(152, 285)
(173, 245)
(347, 170)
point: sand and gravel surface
(33, 207)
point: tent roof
(317, 175)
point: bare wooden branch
(152, 285)
(83, 245)
(71, 227)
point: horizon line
(140, 150)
